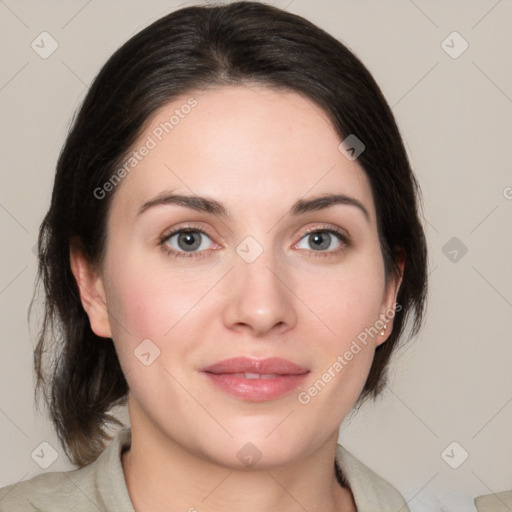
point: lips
(256, 379)
(271, 365)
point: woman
(232, 249)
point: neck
(161, 475)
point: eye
(188, 241)
(192, 241)
(322, 240)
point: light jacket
(499, 502)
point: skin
(257, 151)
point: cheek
(354, 306)
(344, 353)
(149, 313)
(348, 301)
(148, 304)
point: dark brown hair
(192, 48)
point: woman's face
(247, 280)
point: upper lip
(275, 365)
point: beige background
(454, 381)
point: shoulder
(371, 492)
(499, 502)
(99, 486)
(42, 491)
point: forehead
(247, 146)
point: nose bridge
(259, 296)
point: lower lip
(257, 390)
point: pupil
(319, 238)
(188, 238)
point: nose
(259, 298)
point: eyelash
(316, 254)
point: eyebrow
(207, 205)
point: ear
(389, 305)
(92, 291)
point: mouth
(256, 380)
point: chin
(250, 456)
(256, 449)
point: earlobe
(92, 292)
(390, 305)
